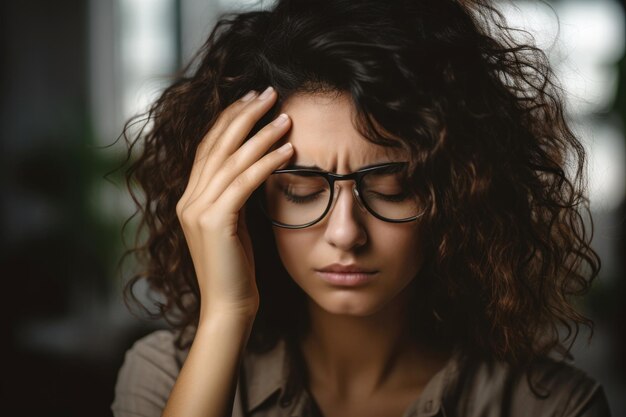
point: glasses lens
(295, 199)
(388, 194)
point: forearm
(206, 384)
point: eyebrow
(316, 168)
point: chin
(347, 303)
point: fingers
(233, 127)
(244, 157)
(240, 124)
(242, 187)
(210, 138)
(222, 122)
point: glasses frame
(331, 178)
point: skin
(358, 345)
(360, 356)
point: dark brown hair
(481, 120)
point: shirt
(477, 389)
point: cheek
(293, 248)
(400, 250)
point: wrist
(240, 317)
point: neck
(365, 354)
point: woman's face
(323, 135)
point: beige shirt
(152, 365)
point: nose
(345, 229)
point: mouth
(349, 275)
(347, 269)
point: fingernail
(280, 120)
(248, 96)
(266, 93)
(286, 148)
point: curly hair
(481, 120)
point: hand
(211, 210)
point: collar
(430, 401)
(266, 373)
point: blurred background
(71, 73)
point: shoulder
(561, 386)
(550, 387)
(147, 375)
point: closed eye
(301, 199)
(389, 197)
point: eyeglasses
(298, 198)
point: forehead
(323, 134)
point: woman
(405, 241)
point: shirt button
(285, 402)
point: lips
(351, 275)
(346, 269)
